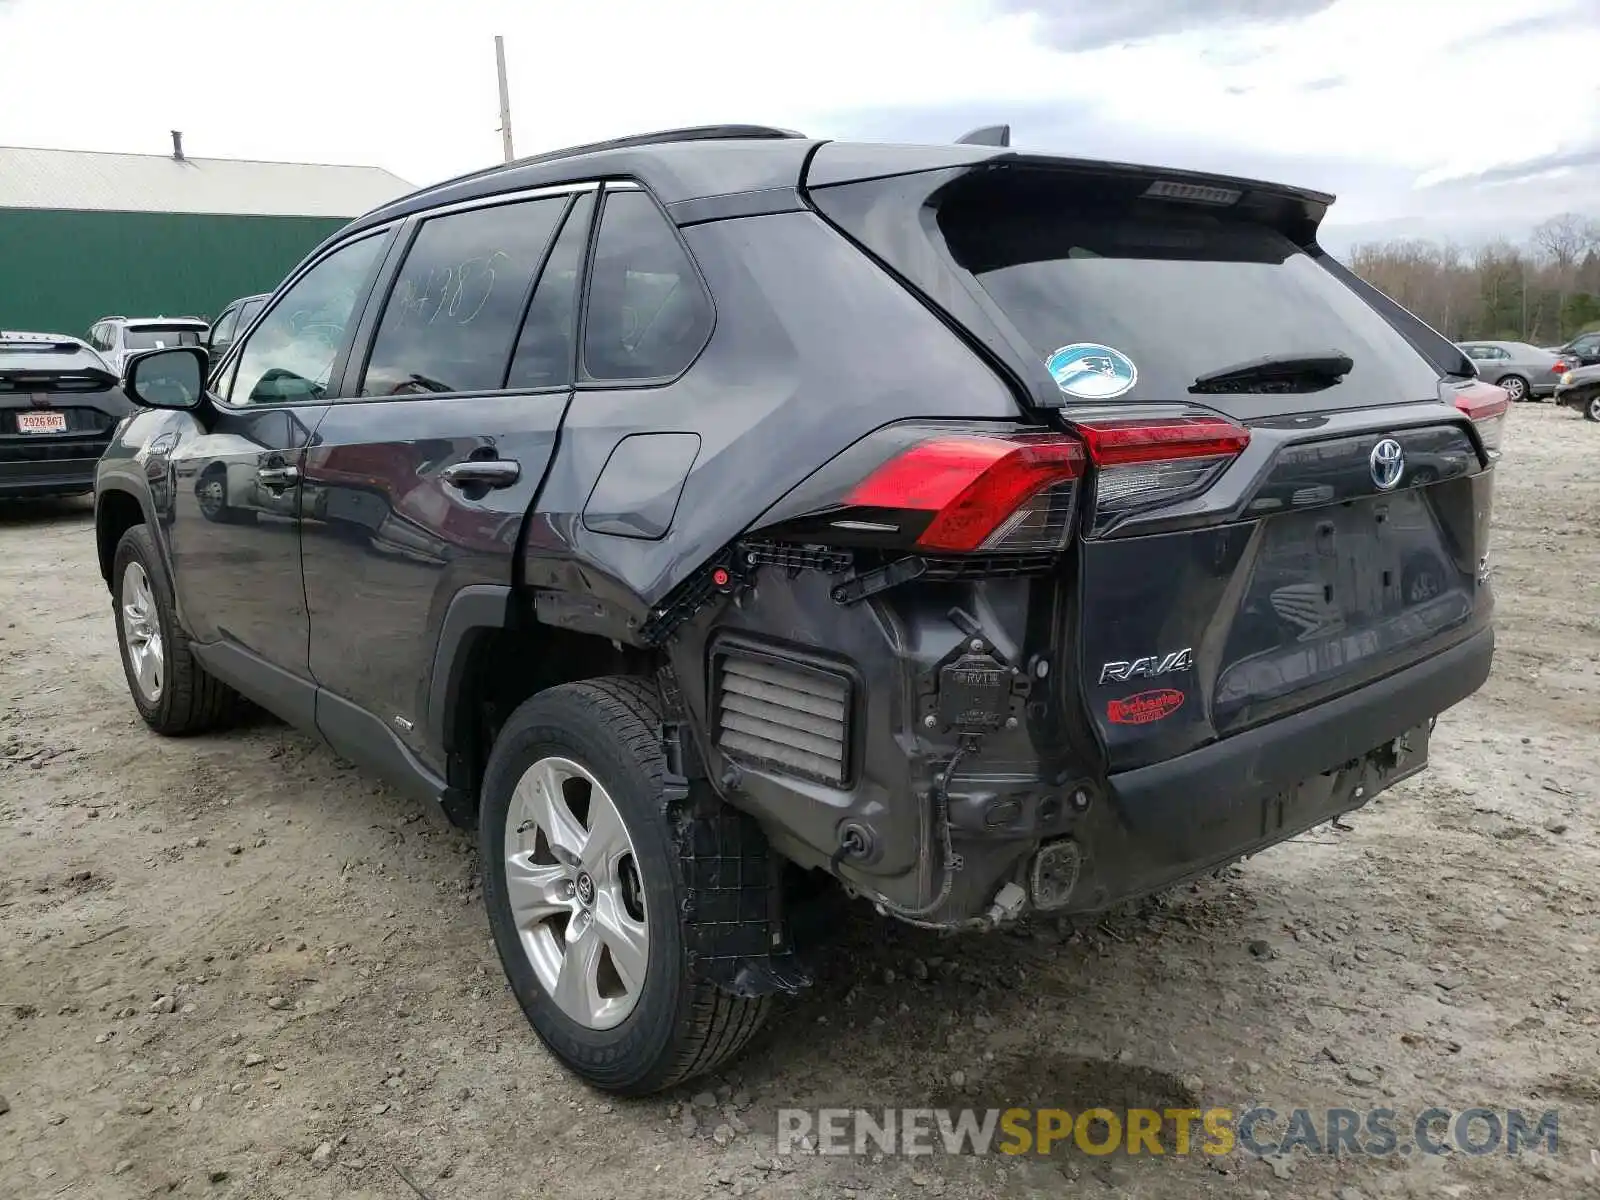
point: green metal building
(85, 235)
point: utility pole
(505, 96)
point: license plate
(41, 422)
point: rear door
(233, 534)
(1257, 538)
(418, 481)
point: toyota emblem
(1388, 464)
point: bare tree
(1565, 237)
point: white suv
(118, 337)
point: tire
(668, 1027)
(1591, 408)
(185, 699)
(1516, 386)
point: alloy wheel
(575, 893)
(141, 632)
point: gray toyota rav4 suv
(710, 514)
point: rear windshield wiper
(1278, 372)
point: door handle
(477, 472)
(277, 477)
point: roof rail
(110, 317)
(692, 133)
(986, 135)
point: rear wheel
(1591, 407)
(1516, 387)
(584, 892)
(170, 688)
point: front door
(418, 481)
(233, 531)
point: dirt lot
(235, 967)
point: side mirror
(170, 378)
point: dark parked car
(58, 402)
(1580, 391)
(233, 322)
(1581, 351)
(714, 514)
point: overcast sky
(1451, 117)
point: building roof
(108, 182)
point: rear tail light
(968, 493)
(948, 490)
(1142, 463)
(1485, 406)
(1560, 368)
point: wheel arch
(493, 653)
(116, 510)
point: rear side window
(544, 350)
(457, 302)
(222, 331)
(248, 313)
(1176, 290)
(648, 315)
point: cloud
(1074, 25)
(1526, 169)
(1323, 84)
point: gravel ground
(233, 966)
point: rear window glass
(147, 338)
(1176, 291)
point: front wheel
(1591, 408)
(170, 688)
(585, 893)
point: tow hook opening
(1053, 874)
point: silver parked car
(1521, 369)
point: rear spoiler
(836, 163)
(50, 379)
(40, 345)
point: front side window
(457, 302)
(290, 354)
(648, 315)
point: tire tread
(718, 1024)
(193, 700)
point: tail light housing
(1485, 406)
(1146, 462)
(927, 489)
(1560, 368)
(971, 493)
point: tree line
(1543, 291)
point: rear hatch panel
(1301, 571)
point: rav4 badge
(1149, 667)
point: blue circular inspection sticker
(1091, 371)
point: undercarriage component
(1053, 874)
